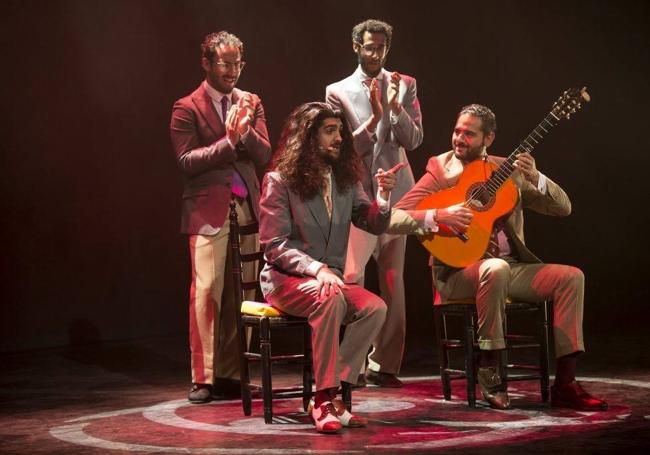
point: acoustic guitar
(489, 192)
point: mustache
(329, 148)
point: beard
(330, 159)
(365, 69)
(467, 153)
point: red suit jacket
(208, 161)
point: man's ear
(205, 63)
(489, 138)
(355, 47)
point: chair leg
(543, 311)
(443, 356)
(244, 372)
(306, 368)
(346, 395)
(503, 356)
(470, 364)
(267, 386)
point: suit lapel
(236, 94)
(338, 202)
(383, 128)
(318, 210)
(358, 98)
(205, 106)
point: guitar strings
(503, 172)
(505, 169)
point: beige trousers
(213, 331)
(389, 252)
(490, 281)
(361, 311)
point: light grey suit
(295, 234)
(383, 149)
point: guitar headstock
(570, 102)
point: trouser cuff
(491, 345)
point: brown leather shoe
(494, 390)
(383, 379)
(572, 395)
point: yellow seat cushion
(259, 309)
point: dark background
(90, 197)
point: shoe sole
(323, 430)
(329, 431)
(386, 386)
(569, 405)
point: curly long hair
(298, 159)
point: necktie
(499, 243)
(327, 195)
(238, 185)
(493, 245)
(367, 82)
(224, 108)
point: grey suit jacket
(389, 144)
(208, 161)
(295, 233)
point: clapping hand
(393, 93)
(245, 114)
(239, 118)
(375, 103)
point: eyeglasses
(227, 66)
(370, 49)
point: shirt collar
(364, 76)
(215, 94)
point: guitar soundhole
(479, 198)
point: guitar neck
(505, 170)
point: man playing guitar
(504, 267)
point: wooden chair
(467, 343)
(261, 316)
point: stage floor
(131, 397)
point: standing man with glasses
(383, 110)
(219, 136)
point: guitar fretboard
(505, 170)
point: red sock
(324, 395)
(565, 371)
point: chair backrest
(238, 259)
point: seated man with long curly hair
(310, 197)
